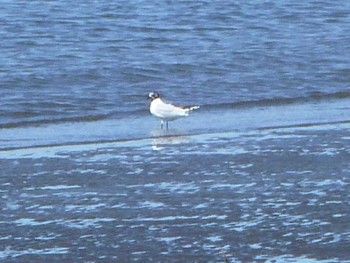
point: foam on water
(10, 253)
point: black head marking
(153, 95)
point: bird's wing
(169, 111)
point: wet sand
(263, 184)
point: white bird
(167, 112)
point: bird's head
(153, 95)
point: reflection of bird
(167, 112)
(160, 142)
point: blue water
(64, 59)
(260, 173)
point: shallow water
(260, 173)
(255, 194)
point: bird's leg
(166, 125)
(161, 124)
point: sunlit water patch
(249, 196)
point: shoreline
(202, 122)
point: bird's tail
(188, 109)
(193, 108)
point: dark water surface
(97, 59)
(260, 173)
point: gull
(167, 112)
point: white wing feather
(168, 112)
